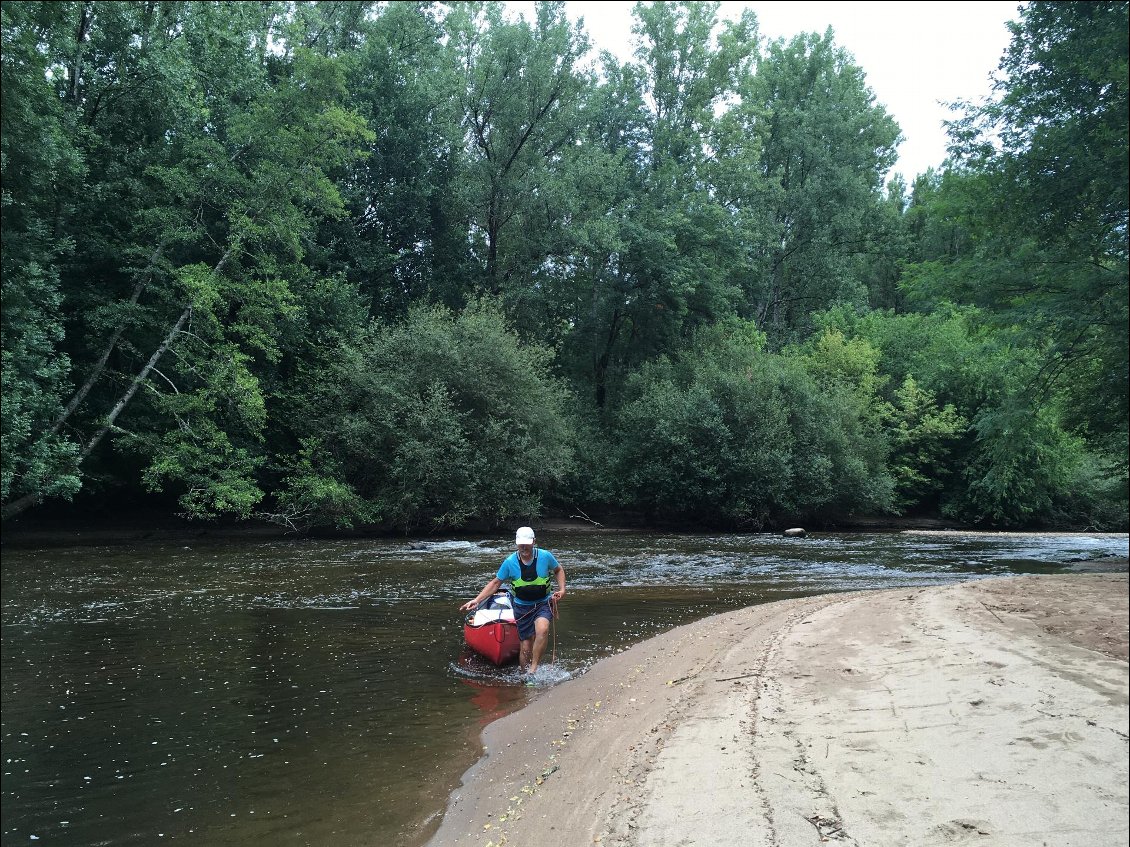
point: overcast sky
(915, 54)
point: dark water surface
(318, 692)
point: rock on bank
(991, 712)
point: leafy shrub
(922, 438)
(1026, 471)
(433, 422)
(727, 433)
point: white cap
(525, 535)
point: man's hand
(557, 595)
(469, 605)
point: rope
(553, 629)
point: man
(528, 571)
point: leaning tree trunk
(123, 401)
(100, 365)
(20, 504)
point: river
(318, 692)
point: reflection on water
(319, 692)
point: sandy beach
(991, 712)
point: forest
(408, 267)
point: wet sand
(992, 712)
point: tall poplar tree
(519, 101)
(812, 193)
(654, 261)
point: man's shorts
(525, 616)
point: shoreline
(167, 529)
(993, 710)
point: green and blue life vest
(529, 587)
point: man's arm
(560, 574)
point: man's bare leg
(541, 638)
(525, 648)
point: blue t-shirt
(511, 568)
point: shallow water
(314, 692)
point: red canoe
(490, 630)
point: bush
(729, 434)
(1026, 471)
(922, 438)
(433, 422)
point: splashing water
(548, 674)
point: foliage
(246, 246)
(965, 436)
(519, 112)
(650, 243)
(203, 168)
(433, 422)
(922, 440)
(1027, 472)
(404, 238)
(1041, 194)
(36, 459)
(728, 433)
(810, 192)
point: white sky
(916, 53)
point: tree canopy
(415, 265)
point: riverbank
(140, 527)
(159, 526)
(991, 712)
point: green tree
(1027, 471)
(205, 156)
(403, 439)
(36, 154)
(843, 424)
(653, 244)
(1042, 190)
(727, 433)
(519, 105)
(965, 437)
(812, 195)
(922, 439)
(404, 238)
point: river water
(318, 692)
